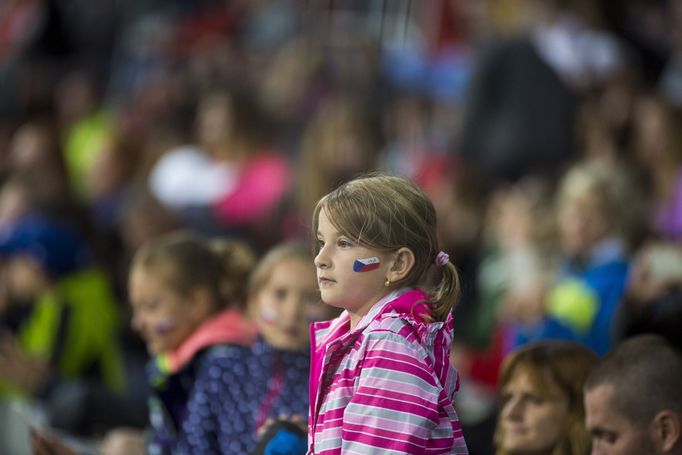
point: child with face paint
(381, 380)
(187, 296)
(283, 300)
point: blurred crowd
(548, 134)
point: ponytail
(444, 295)
(237, 261)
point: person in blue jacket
(593, 268)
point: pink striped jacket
(385, 387)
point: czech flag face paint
(365, 265)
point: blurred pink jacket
(385, 387)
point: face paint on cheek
(165, 326)
(367, 264)
(268, 315)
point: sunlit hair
(596, 182)
(280, 253)
(185, 262)
(564, 365)
(386, 212)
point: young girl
(381, 380)
(186, 295)
(283, 300)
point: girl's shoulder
(410, 331)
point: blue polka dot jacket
(212, 395)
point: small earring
(387, 283)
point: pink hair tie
(442, 258)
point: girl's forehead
(153, 275)
(325, 224)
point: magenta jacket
(385, 387)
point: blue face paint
(165, 326)
(367, 264)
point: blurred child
(590, 284)
(380, 375)
(284, 300)
(60, 322)
(215, 393)
(186, 296)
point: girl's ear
(401, 265)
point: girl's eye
(343, 243)
(535, 399)
(149, 305)
(280, 294)
(505, 398)
(320, 244)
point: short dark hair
(645, 372)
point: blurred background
(548, 134)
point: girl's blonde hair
(185, 261)
(387, 212)
(283, 252)
(566, 365)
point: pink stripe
(380, 394)
(395, 405)
(387, 443)
(383, 363)
(390, 385)
(419, 431)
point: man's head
(633, 399)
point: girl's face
(163, 318)
(350, 276)
(531, 422)
(582, 225)
(287, 303)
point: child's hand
(21, 369)
(286, 436)
(46, 444)
(123, 441)
(296, 419)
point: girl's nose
(513, 409)
(321, 260)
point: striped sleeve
(395, 406)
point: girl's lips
(292, 332)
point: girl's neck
(357, 314)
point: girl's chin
(156, 348)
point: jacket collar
(405, 301)
(226, 327)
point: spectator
(541, 399)
(633, 399)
